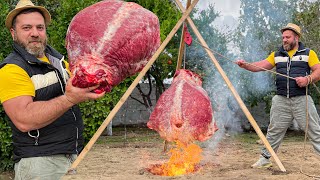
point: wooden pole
(234, 92)
(130, 89)
(182, 44)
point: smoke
(227, 112)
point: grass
(130, 135)
(134, 134)
(251, 137)
(247, 138)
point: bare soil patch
(128, 155)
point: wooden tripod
(185, 17)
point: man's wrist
(309, 79)
(69, 100)
(244, 65)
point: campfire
(183, 114)
(184, 159)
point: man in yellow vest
(303, 66)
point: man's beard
(35, 49)
(289, 46)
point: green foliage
(62, 13)
(5, 131)
(258, 34)
(197, 58)
(260, 24)
(5, 143)
(95, 112)
(308, 17)
(5, 42)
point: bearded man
(39, 100)
(302, 64)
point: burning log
(183, 112)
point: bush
(5, 131)
(5, 143)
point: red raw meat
(184, 112)
(109, 41)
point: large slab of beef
(184, 112)
(109, 41)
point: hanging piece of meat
(109, 41)
(184, 112)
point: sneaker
(262, 163)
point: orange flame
(184, 160)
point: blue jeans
(282, 113)
(46, 167)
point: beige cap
(292, 27)
(26, 4)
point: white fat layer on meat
(92, 67)
(178, 101)
(121, 15)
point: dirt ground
(226, 157)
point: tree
(257, 36)
(197, 59)
(5, 132)
(308, 17)
(4, 33)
